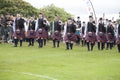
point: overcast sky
(79, 8)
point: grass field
(32, 63)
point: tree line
(27, 10)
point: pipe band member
(90, 34)
(31, 31)
(19, 30)
(110, 35)
(70, 37)
(101, 35)
(56, 31)
(41, 32)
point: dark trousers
(31, 41)
(16, 42)
(118, 45)
(44, 42)
(40, 42)
(90, 46)
(83, 43)
(56, 43)
(101, 46)
(69, 46)
(109, 45)
(78, 41)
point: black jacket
(19, 23)
(101, 28)
(31, 25)
(57, 26)
(71, 28)
(91, 27)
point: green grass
(76, 64)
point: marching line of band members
(71, 31)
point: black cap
(83, 21)
(69, 18)
(78, 17)
(110, 21)
(41, 13)
(100, 18)
(90, 16)
(106, 19)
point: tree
(26, 9)
(51, 10)
(17, 6)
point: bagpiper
(110, 35)
(41, 30)
(31, 31)
(56, 31)
(90, 34)
(101, 35)
(19, 30)
(70, 38)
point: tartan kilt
(101, 38)
(43, 34)
(70, 37)
(118, 40)
(31, 34)
(19, 33)
(110, 37)
(57, 35)
(90, 38)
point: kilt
(31, 34)
(90, 38)
(45, 35)
(57, 35)
(19, 33)
(42, 34)
(118, 40)
(110, 37)
(70, 37)
(101, 37)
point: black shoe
(67, 49)
(71, 48)
(15, 45)
(102, 49)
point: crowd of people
(17, 29)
